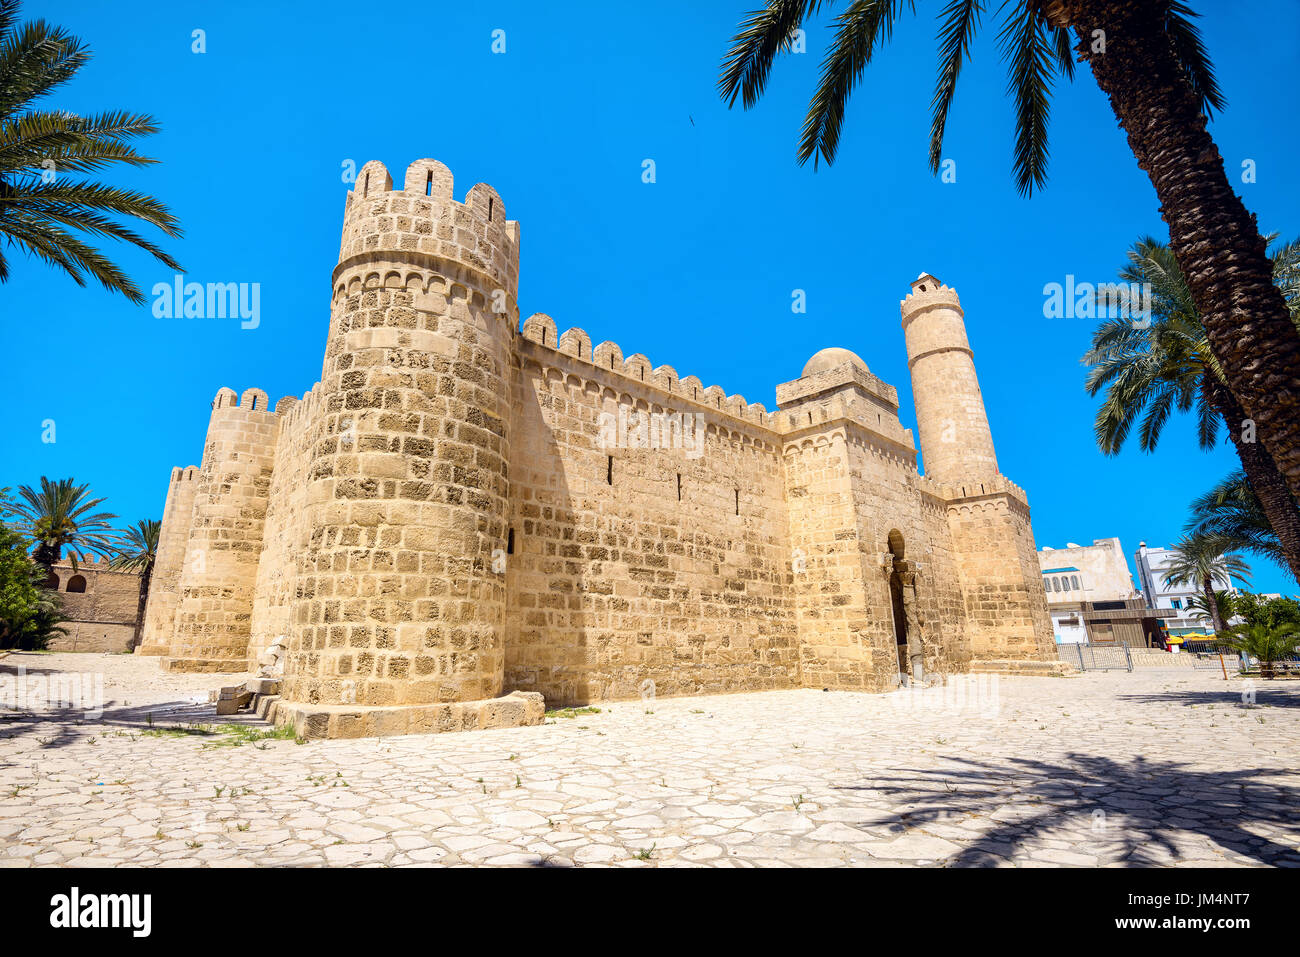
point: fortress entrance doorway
(900, 618)
(896, 597)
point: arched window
(1065, 583)
(1056, 584)
(52, 582)
(1076, 581)
(77, 583)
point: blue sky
(695, 270)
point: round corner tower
(399, 600)
(956, 444)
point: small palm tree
(1200, 562)
(1268, 643)
(61, 515)
(1149, 59)
(1148, 371)
(137, 553)
(1230, 514)
(41, 211)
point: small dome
(831, 358)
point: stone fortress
(442, 527)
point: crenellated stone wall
(215, 595)
(640, 566)
(164, 584)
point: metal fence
(1210, 650)
(1090, 657)
(1194, 655)
(1212, 655)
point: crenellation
(575, 342)
(254, 399)
(637, 366)
(469, 512)
(608, 355)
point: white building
(1153, 566)
(1077, 578)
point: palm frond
(80, 261)
(1208, 421)
(34, 60)
(1029, 53)
(1185, 37)
(762, 36)
(139, 546)
(858, 30)
(1064, 43)
(1286, 275)
(71, 143)
(49, 218)
(1230, 516)
(960, 20)
(1198, 560)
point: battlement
(608, 357)
(187, 473)
(253, 400)
(257, 400)
(976, 488)
(928, 293)
(422, 219)
(292, 410)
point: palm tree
(1268, 643)
(1231, 515)
(1148, 58)
(1225, 601)
(1200, 562)
(137, 554)
(41, 211)
(1149, 370)
(61, 516)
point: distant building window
(1176, 603)
(1075, 579)
(1056, 584)
(1065, 583)
(52, 582)
(77, 583)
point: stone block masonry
(442, 528)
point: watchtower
(399, 601)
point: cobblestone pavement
(1149, 768)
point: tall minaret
(956, 444)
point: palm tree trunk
(1212, 603)
(1265, 480)
(1215, 239)
(45, 556)
(140, 604)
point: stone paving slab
(1102, 769)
